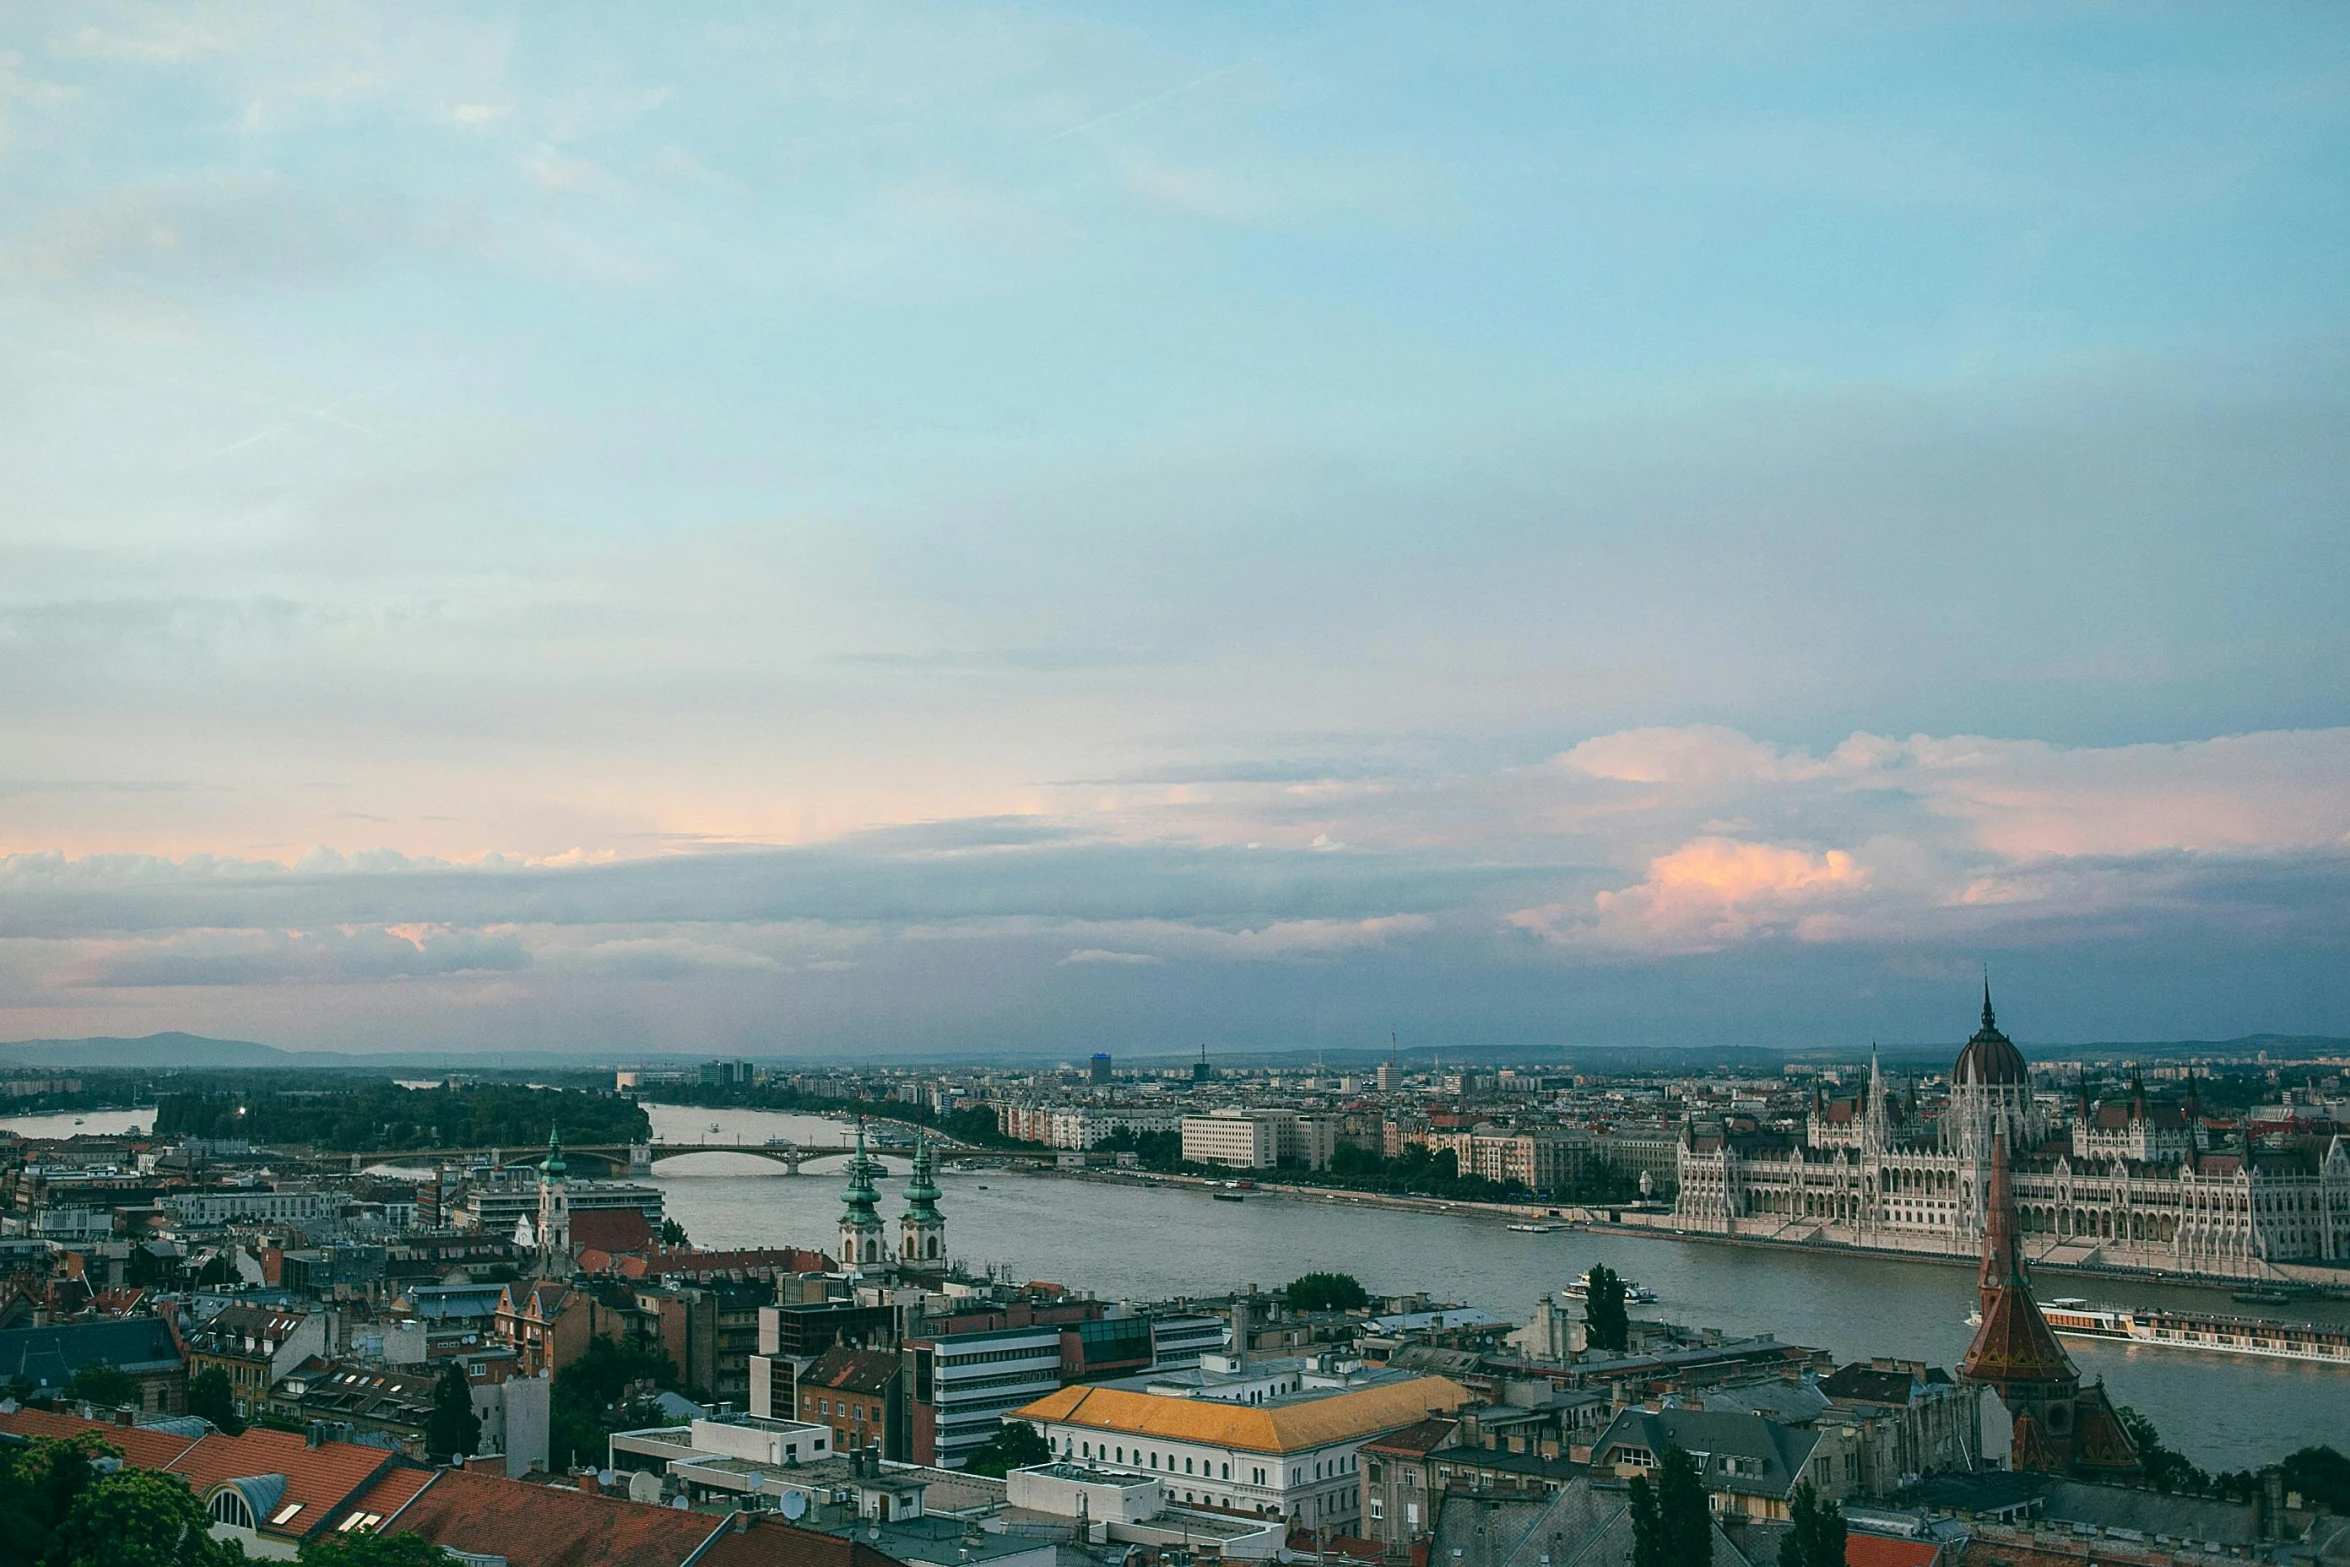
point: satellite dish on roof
(644, 1487)
(795, 1505)
(678, 1502)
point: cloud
(1105, 955)
(656, 958)
(1706, 894)
(270, 957)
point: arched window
(934, 1246)
(228, 1506)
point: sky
(935, 529)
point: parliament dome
(1990, 1058)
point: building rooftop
(1293, 1424)
(548, 1526)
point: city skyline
(1040, 530)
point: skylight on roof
(285, 1512)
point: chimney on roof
(314, 1434)
(123, 1416)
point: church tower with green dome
(860, 1218)
(922, 1231)
(554, 1226)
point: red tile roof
(391, 1493)
(545, 1526)
(770, 1542)
(141, 1447)
(323, 1479)
(1876, 1550)
(611, 1229)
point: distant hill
(156, 1050)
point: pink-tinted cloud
(1705, 894)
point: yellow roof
(1290, 1428)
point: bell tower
(860, 1220)
(554, 1226)
(922, 1232)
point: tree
(2165, 1470)
(367, 1548)
(210, 1396)
(1815, 1536)
(1688, 1519)
(1609, 1324)
(102, 1384)
(2320, 1474)
(673, 1233)
(1016, 1445)
(602, 1392)
(1326, 1292)
(453, 1429)
(138, 1518)
(1648, 1525)
(39, 1483)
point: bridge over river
(785, 1156)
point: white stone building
(2134, 1185)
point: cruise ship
(2327, 1343)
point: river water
(1154, 1243)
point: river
(1154, 1243)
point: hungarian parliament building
(2135, 1184)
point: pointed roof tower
(2014, 1349)
(553, 1167)
(922, 1193)
(858, 1197)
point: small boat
(1535, 1229)
(1974, 1318)
(2265, 1295)
(1635, 1293)
(1227, 1196)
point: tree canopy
(372, 1115)
(1609, 1325)
(367, 1548)
(1016, 1445)
(211, 1397)
(1326, 1292)
(102, 1384)
(1672, 1525)
(137, 1518)
(606, 1389)
(1815, 1534)
(452, 1429)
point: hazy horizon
(977, 528)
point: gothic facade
(2130, 1184)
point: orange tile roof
(1876, 1550)
(391, 1493)
(772, 1543)
(140, 1446)
(1280, 1428)
(546, 1526)
(323, 1479)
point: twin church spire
(921, 1229)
